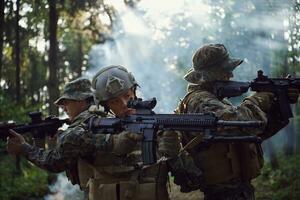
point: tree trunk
(1, 35)
(80, 55)
(53, 60)
(18, 70)
(33, 87)
(17, 52)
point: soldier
(76, 147)
(115, 174)
(227, 168)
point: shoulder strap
(183, 102)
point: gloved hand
(168, 143)
(185, 172)
(125, 142)
(14, 143)
(293, 95)
(263, 100)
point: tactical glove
(125, 142)
(185, 172)
(168, 143)
(15, 142)
(263, 100)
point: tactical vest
(118, 177)
(85, 172)
(223, 162)
(82, 171)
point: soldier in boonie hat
(76, 146)
(79, 89)
(211, 62)
(225, 177)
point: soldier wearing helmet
(76, 146)
(114, 87)
(227, 168)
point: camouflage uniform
(227, 168)
(123, 176)
(76, 146)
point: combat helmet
(210, 58)
(78, 89)
(112, 81)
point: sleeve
(72, 144)
(204, 102)
(270, 105)
(168, 143)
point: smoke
(63, 189)
(156, 39)
(151, 44)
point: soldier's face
(73, 108)
(118, 105)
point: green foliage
(79, 26)
(32, 183)
(282, 183)
(25, 185)
(12, 111)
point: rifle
(146, 122)
(278, 86)
(40, 127)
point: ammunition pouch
(85, 172)
(242, 190)
(251, 159)
(148, 183)
(221, 163)
(186, 174)
(123, 190)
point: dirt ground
(175, 194)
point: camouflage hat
(79, 89)
(211, 57)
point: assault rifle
(278, 86)
(38, 126)
(146, 122)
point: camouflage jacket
(201, 100)
(213, 160)
(73, 143)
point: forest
(46, 43)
